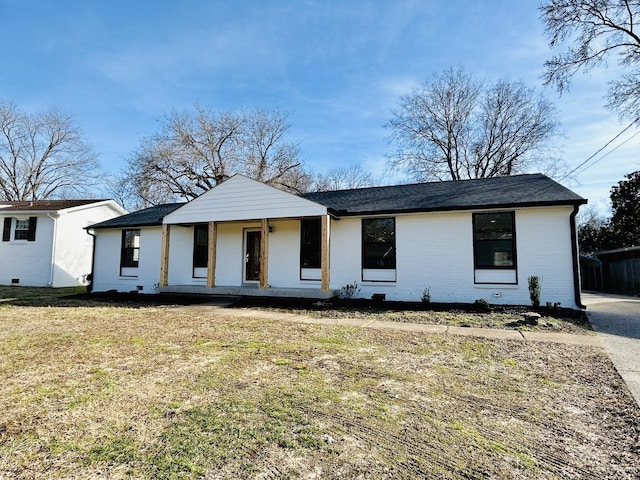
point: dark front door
(252, 257)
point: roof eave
(132, 225)
(344, 213)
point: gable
(241, 198)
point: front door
(252, 256)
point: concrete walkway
(566, 338)
(617, 320)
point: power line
(593, 155)
(610, 152)
(601, 149)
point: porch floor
(251, 291)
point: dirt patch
(559, 320)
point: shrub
(349, 290)
(534, 290)
(426, 296)
(482, 305)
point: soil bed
(560, 320)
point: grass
(131, 391)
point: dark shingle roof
(513, 191)
(44, 205)
(147, 217)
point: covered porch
(253, 246)
(250, 244)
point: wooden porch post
(264, 253)
(211, 258)
(164, 259)
(325, 223)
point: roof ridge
(484, 179)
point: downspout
(53, 248)
(574, 254)
(93, 261)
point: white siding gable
(241, 198)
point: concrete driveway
(616, 319)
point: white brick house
(462, 240)
(44, 242)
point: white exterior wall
(74, 246)
(284, 255)
(61, 254)
(544, 249)
(181, 257)
(229, 254)
(435, 250)
(29, 262)
(106, 271)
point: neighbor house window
(23, 229)
(310, 243)
(130, 248)
(200, 246)
(379, 243)
(494, 243)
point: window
(23, 229)
(494, 240)
(200, 246)
(130, 248)
(379, 243)
(310, 243)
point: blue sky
(337, 67)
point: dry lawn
(107, 391)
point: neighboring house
(44, 242)
(462, 241)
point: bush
(426, 296)
(534, 290)
(349, 290)
(482, 305)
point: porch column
(325, 227)
(264, 253)
(211, 257)
(164, 255)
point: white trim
(496, 276)
(378, 274)
(311, 274)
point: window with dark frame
(200, 246)
(130, 248)
(310, 243)
(379, 243)
(494, 245)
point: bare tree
(453, 128)
(342, 178)
(43, 156)
(194, 151)
(595, 31)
